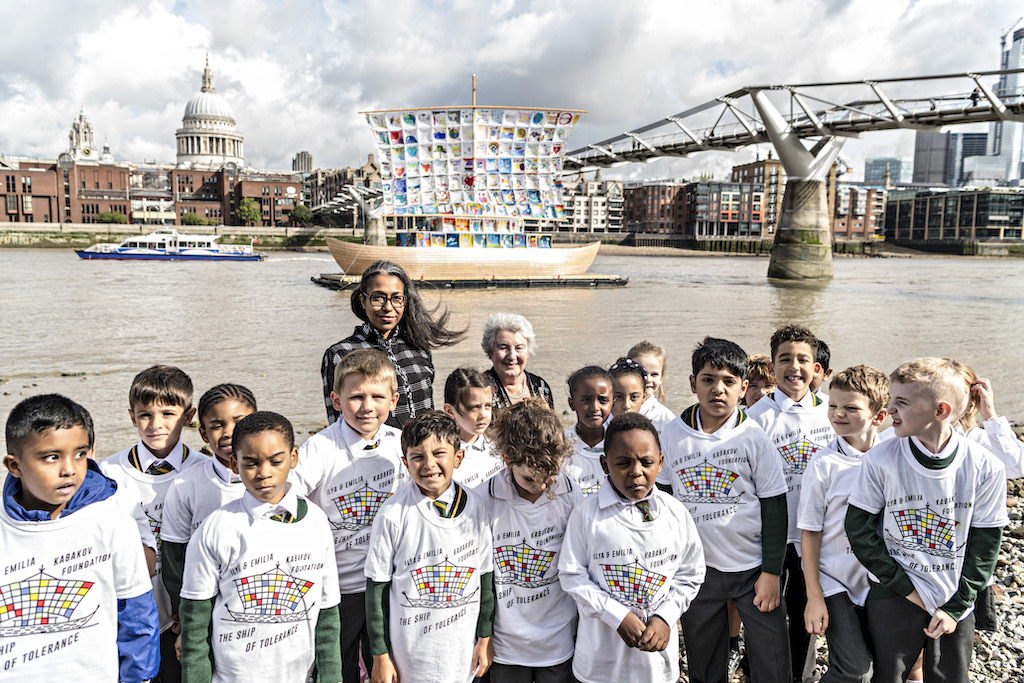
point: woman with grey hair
(509, 342)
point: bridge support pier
(803, 242)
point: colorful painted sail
(705, 483)
(271, 597)
(42, 604)
(523, 565)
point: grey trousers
(706, 631)
(896, 626)
(849, 655)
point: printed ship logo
(359, 508)
(271, 598)
(926, 531)
(42, 604)
(523, 566)
(633, 585)
(706, 483)
(441, 585)
(797, 454)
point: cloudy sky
(297, 73)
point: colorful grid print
(42, 600)
(271, 593)
(442, 582)
(707, 481)
(632, 584)
(523, 562)
(360, 507)
(798, 453)
(926, 528)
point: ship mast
(474, 91)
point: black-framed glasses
(377, 300)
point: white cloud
(296, 74)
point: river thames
(265, 325)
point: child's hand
(766, 592)
(816, 615)
(655, 636)
(631, 629)
(940, 625)
(483, 655)
(981, 391)
(177, 647)
(383, 670)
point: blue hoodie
(138, 626)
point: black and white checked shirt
(414, 367)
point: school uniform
(930, 523)
(434, 566)
(659, 415)
(798, 430)
(350, 478)
(830, 479)
(732, 484)
(479, 463)
(269, 571)
(62, 582)
(534, 619)
(151, 478)
(583, 466)
(613, 563)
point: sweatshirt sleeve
(196, 653)
(689, 573)
(485, 621)
(138, 638)
(774, 529)
(979, 563)
(328, 645)
(173, 556)
(868, 546)
(377, 616)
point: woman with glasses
(509, 342)
(396, 322)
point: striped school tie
(160, 467)
(440, 508)
(282, 516)
(371, 446)
(645, 510)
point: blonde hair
(646, 348)
(865, 380)
(759, 370)
(939, 377)
(372, 364)
(967, 420)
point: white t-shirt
(350, 483)
(798, 430)
(928, 514)
(720, 478)
(59, 588)
(828, 482)
(270, 581)
(655, 411)
(479, 463)
(434, 566)
(614, 563)
(534, 619)
(193, 495)
(152, 490)
(583, 466)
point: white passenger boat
(168, 244)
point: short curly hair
(530, 434)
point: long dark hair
(420, 327)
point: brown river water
(265, 325)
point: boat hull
(443, 263)
(166, 257)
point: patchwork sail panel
(42, 604)
(271, 597)
(522, 565)
(705, 483)
(633, 584)
(926, 530)
(797, 454)
(441, 585)
(358, 508)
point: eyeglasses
(378, 300)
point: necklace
(521, 394)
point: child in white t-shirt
(590, 397)
(836, 586)
(198, 491)
(429, 571)
(654, 361)
(529, 506)
(467, 400)
(350, 469)
(632, 561)
(259, 597)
